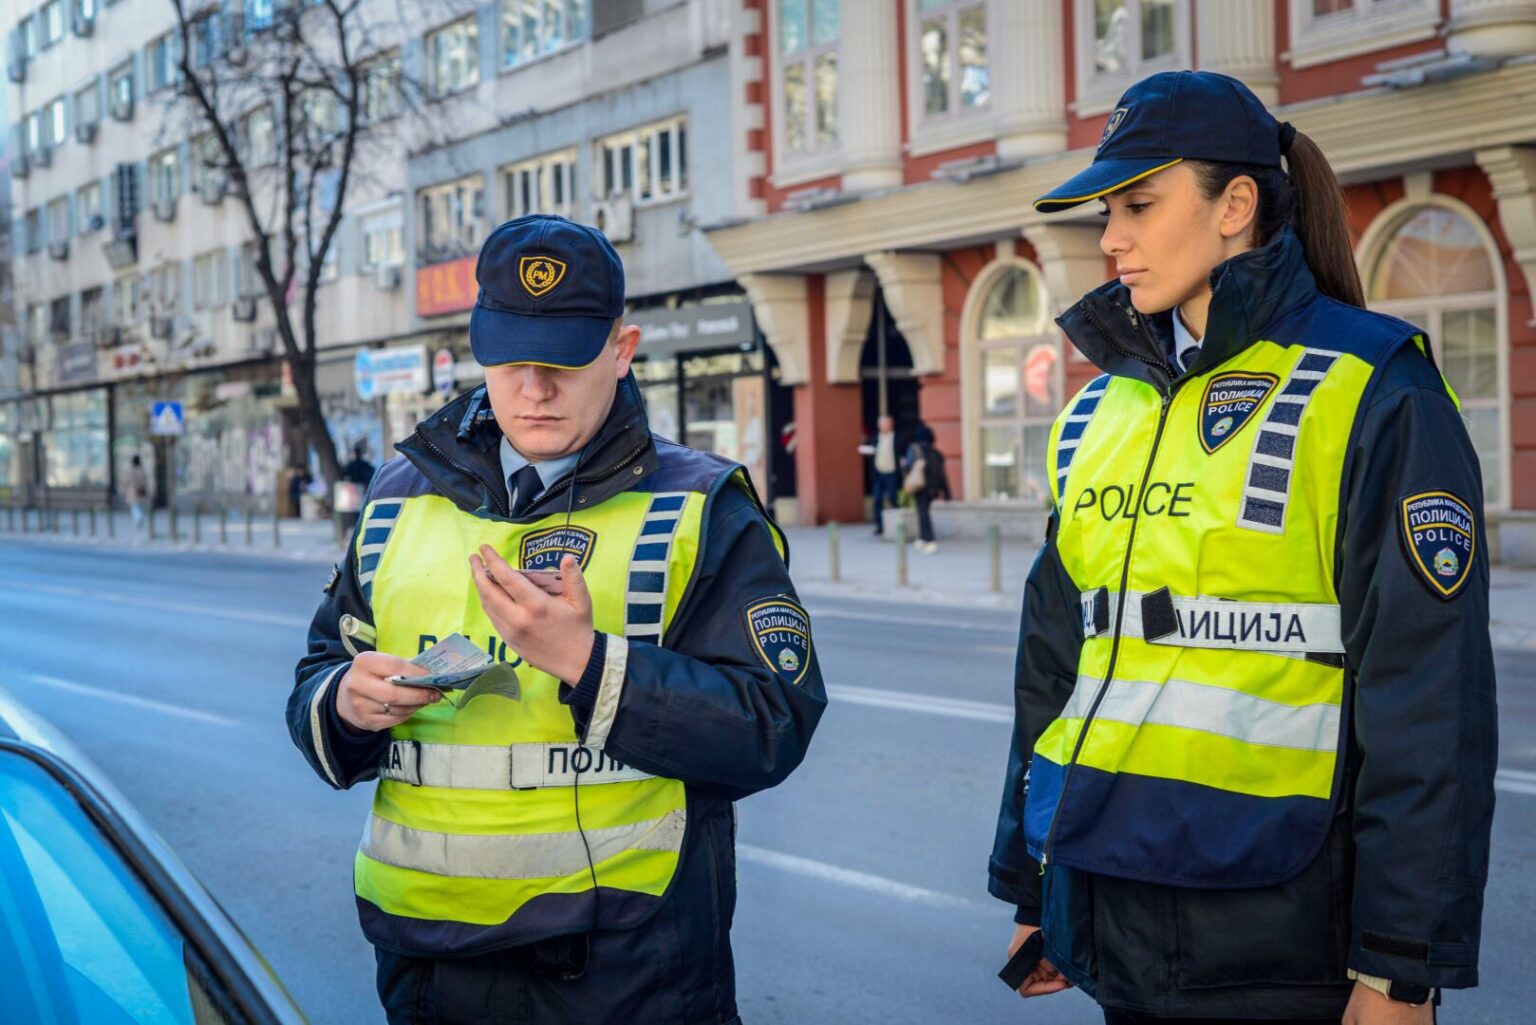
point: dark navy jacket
(1397, 888)
(704, 709)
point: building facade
(893, 149)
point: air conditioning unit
(386, 279)
(165, 210)
(96, 223)
(85, 132)
(615, 218)
(161, 327)
(122, 110)
(244, 309)
(16, 69)
(43, 157)
(59, 249)
(263, 341)
(82, 25)
(21, 166)
(109, 337)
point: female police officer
(1255, 741)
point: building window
(648, 164)
(32, 230)
(56, 122)
(545, 185)
(28, 31)
(258, 135)
(88, 208)
(248, 278)
(52, 20)
(207, 39)
(808, 34)
(120, 90)
(167, 288)
(58, 220)
(1020, 382)
(125, 299)
(259, 15)
(1122, 41)
(453, 57)
(452, 219)
(952, 56)
(164, 185)
(320, 114)
(36, 127)
(88, 105)
(1435, 270)
(1330, 30)
(86, 9)
(532, 28)
(383, 235)
(37, 325)
(58, 318)
(160, 58)
(93, 312)
(209, 272)
(381, 88)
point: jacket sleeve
(1422, 706)
(1045, 674)
(708, 708)
(337, 753)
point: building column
(779, 305)
(914, 293)
(1511, 170)
(1492, 28)
(829, 471)
(1028, 85)
(1237, 38)
(869, 111)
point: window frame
(388, 218)
(606, 148)
(793, 167)
(56, 123)
(93, 89)
(958, 126)
(389, 66)
(156, 160)
(563, 165)
(47, 39)
(472, 22)
(51, 217)
(120, 72)
(167, 44)
(1096, 92)
(568, 42)
(1368, 26)
(211, 269)
(429, 252)
(83, 225)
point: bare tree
(314, 64)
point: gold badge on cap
(540, 274)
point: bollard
(93, 520)
(901, 552)
(249, 516)
(277, 533)
(197, 524)
(223, 524)
(175, 531)
(995, 552)
(834, 554)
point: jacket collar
(1248, 293)
(458, 449)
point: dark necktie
(1188, 356)
(525, 487)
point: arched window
(1020, 386)
(1435, 270)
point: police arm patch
(780, 631)
(1439, 534)
(330, 585)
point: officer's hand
(1045, 978)
(367, 700)
(550, 632)
(1368, 1007)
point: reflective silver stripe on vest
(1209, 709)
(1275, 627)
(645, 599)
(517, 856)
(1073, 427)
(374, 534)
(501, 767)
(1267, 490)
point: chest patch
(781, 633)
(543, 549)
(1440, 535)
(1230, 401)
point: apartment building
(893, 149)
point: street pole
(995, 550)
(901, 552)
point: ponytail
(1310, 201)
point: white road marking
(1515, 781)
(957, 708)
(150, 704)
(144, 602)
(866, 881)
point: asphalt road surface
(862, 879)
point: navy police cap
(1167, 118)
(550, 290)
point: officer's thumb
(575, 582)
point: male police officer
(560, 850)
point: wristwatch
(1406, 992)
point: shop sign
(696, 326)
(446, 287)
(442, 371)
(379, 372)
(76, 362)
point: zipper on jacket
(1125, 576)
(594, 478)
(490, 488)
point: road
(862, 879)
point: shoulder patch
(543, 549)
(781, 633)
(1230, 401)
(330, 585)
(1440, 537)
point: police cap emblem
(543, 549)
(540, 275)
(781, 633)
(1440, 537)
(1230, 401)
(1114, 122)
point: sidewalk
(959, 574)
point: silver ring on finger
(386, 708)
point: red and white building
(888, 152)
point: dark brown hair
(1310, 201)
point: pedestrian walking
(136, 494)
(358, 469)
(561, 847)
(926, 480)
(1253, 758)
(885, 467)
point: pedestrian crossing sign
(166, 418)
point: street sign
(378, 372)
(167, 418)
(442, 371)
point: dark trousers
(924, 502)
(884, 494)
(1117, 1017)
